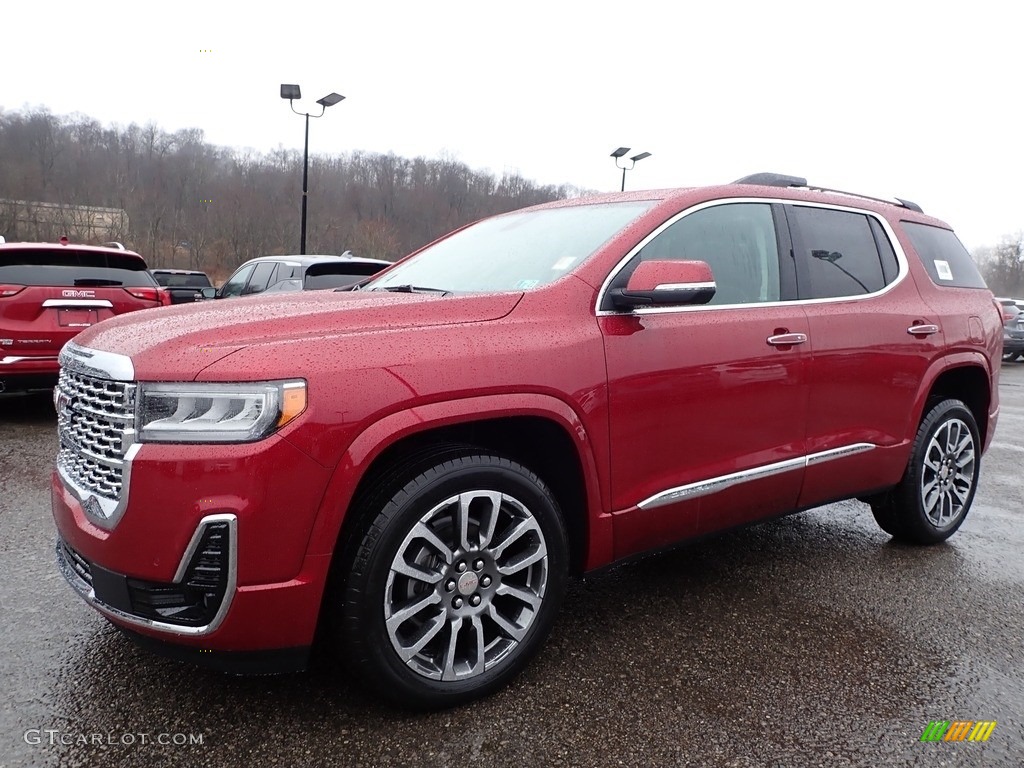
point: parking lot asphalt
(809, 640)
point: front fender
(373, 440)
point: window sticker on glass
(563, 263)
(525, 285)
(942, 270)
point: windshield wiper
(410, 289)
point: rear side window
(944, 256)
(261, 277)
(72, 267)
(839, 251)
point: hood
(180, 341)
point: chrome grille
(94, 416)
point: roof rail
(782, 180)
(115, 245)
(908, 204)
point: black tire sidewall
(365, 590)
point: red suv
(416, 467)
(50, 292)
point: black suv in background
(184, 285)
(49, 292)
(269, 272)
(1013, 330)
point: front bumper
(194, 603)
(210, 550)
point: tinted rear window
(182, 281)
(72, 267)
(335, 275)
(944, 256)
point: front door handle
(925, 329)
(787, 339)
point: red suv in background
(49, 292)
(417, 466)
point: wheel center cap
(468, 583)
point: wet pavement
(811, 640)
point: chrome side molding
(716, 484)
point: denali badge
(69, 294)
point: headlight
(216, 413)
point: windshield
(513, 252)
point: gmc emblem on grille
(78, 294)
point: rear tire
(455, 581)
(931, 501)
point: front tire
(937, 489)
(456, 581)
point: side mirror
(666, 283)
(208, 293)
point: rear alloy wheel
(456, 582)
(937, 489)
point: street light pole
(621, 152)
(292, 92)
(305, 188)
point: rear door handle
(787, 339)
(925, 329)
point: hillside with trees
(1003, 266)
(190, 204)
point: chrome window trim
(95, 362)
(88, 594)
(901, 258)
(684, 286)
(75, 303)
(720, 483)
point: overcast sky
(914, 99)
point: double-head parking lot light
(292, 92)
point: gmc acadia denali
(416, 467)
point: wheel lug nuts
(485, 581)
(461, 566)
(450, 585)
(457, 602)
(478, 565)
(474, 600)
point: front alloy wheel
(465, 585)
(453, 581)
